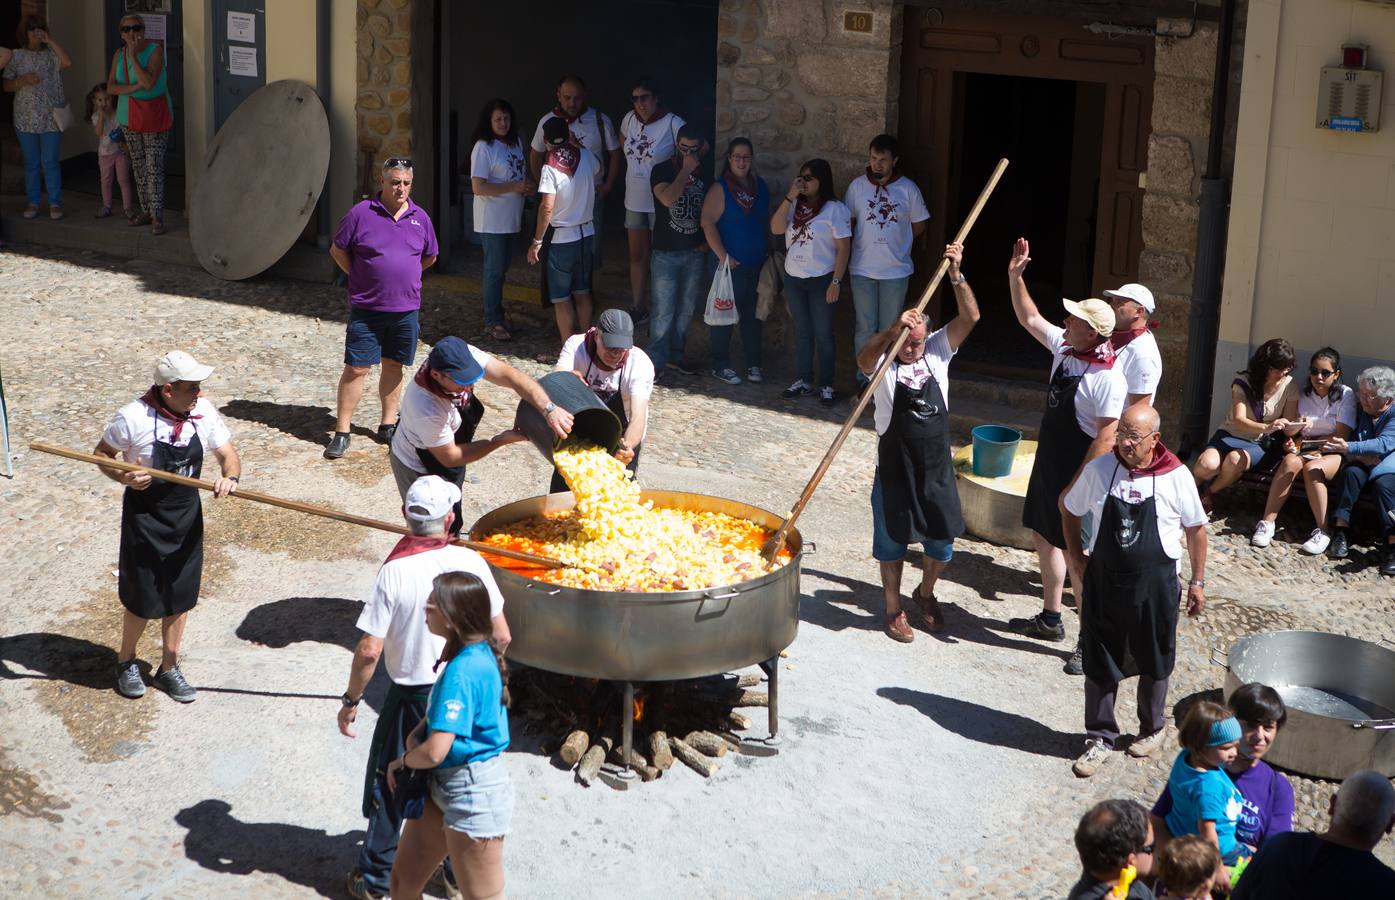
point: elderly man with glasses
(1370, 464)
(1144, 502)
(383, 244)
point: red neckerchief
(155, 401)
(557, 111)
(1102, 354)
(1121, 339)
(1164, 461)
(804, 212)
(427, 383)
(413, 544)
(564, 159)
(743, 194)
(592, 343)
(659, 113)
(877, 186)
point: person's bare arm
(669, 192)
(966, 304)
(878, 344)
(366, 655)
(840, 268)
(713, 205)
(340, 257)
(1196, 551)
(64, 60)
(1075, 548)
(634, 432)
(454, 455)
(918, 229)
(137, 481)
(504, 375)
(535, 163)
(546, 203)
(427, 262)
(500, 633)
(1240, 416)
(613, 170)
(482, 187)
(113, 87)
(779, 219)
(1025, 308)
(230, 464)
(146, 77)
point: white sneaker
(755, 375)
(1264, 534)
(1317, 542)
(1096, 755)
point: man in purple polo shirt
(383, 244)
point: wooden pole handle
(271, 500)
(775, 544)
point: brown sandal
(158, 227)
(930, 610)
(898, 629)
(500, 333)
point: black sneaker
(1076, 664)
(1387, 560)
(1340, 548)
(338, 445)
(128, 680)
(385, 433)
(1036, 627)
(172, 682)
(800, 388)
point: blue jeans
(676, 278)
(496, 262)
(813, 326)
(884, 548)
(743, 281)
(41, 152)
(876, 304)
(1351, 482)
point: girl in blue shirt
(1204, 799)
(461, 740)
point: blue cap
(453, 359)
(1226, 731)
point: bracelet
(234, 478)
(1196, 582)
(537, 242)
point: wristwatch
(547, 410)
(957, 281)
(348, 702)
(837, 281)
(1196, 582)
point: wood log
(590, 765)
(748, 681)
(738, 721)
(637, 763)
(731, 740)
(696, 761)
(707, 743)
(575, 747)
(659, 751)
(752, 698)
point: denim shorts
(475, 799)
(373, 336)
(569, 269)
(639, 221)
(1260, 459)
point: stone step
(1008, 392)
(965, 414)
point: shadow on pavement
(312, 424)
(220, 842)
(961, 624)
(986, 725)
(324, 620)
(983, 574)
(825, 607)
(59, 657)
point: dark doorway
(1049, 129)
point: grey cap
(617, 329)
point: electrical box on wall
(1349, 95)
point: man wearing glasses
(383, 243)
(1113, 837)
(649, 133)
(679, 251)
(1145, 502)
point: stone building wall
(384, 106)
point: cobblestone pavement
(939, 768)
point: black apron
(1128, 624)
(1061, 447)
(920, 500)
(469, 421)
(616, 404)
(161, 558)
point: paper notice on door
(242, 61)
(242, 27)
(154, 26)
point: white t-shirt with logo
(882, 234)
(934, 363)
(396, 613)
(634, 379)
(645, 145)
(136, 427)
(1324, 414)
(575, 195)
(426, 420)
(1141, 363)
(584, 130)
(498, 163)
(810, 251)
(1178, 506)
(1101, 393)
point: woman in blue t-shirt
(465, 730)
(734, 218)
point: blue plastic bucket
(994, 449)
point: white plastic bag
(721, 298)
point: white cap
(180, 366)
(1135, 292)
(430, 497)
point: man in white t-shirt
(394, 629)
(594, 132)
(436, 431)
(1135, 348)
(619, 373)
(648, 134)
(564, 207)
(914, 494)
(888, 214)
(161, 563)
(1145, 502)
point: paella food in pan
(614, 541)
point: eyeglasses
(36, 28)
(688, 150)
(125, 29)
(804, 177)
(1321, 373)
(1146, 848)
(1125, 437)
(397, 162)
(640, 98)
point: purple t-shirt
(1266, 804)
(385, 255)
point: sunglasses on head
(398, 162)
(1321, 373)
(125, 29)
(639, 98)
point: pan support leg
(627, 730)
(771, 668)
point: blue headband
(1226, 731)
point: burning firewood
(696, 761)
(659, 750)
(574, 747)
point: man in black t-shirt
(679, 247)
(1336, 863)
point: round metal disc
(263, 174)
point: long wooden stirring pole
(107, 462)
(772, 547)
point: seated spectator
(1370, 464)
(1115, 843)
(1266, 797)
(1252, 437)
(1334, 863)
(1204, 799)
(1187, 869)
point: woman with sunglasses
(143, 109)
(648, 134)
(31, 74)
(818, 242)
(1326, 408)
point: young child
(1186, 869)
(111, 149)
(1205, 801)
